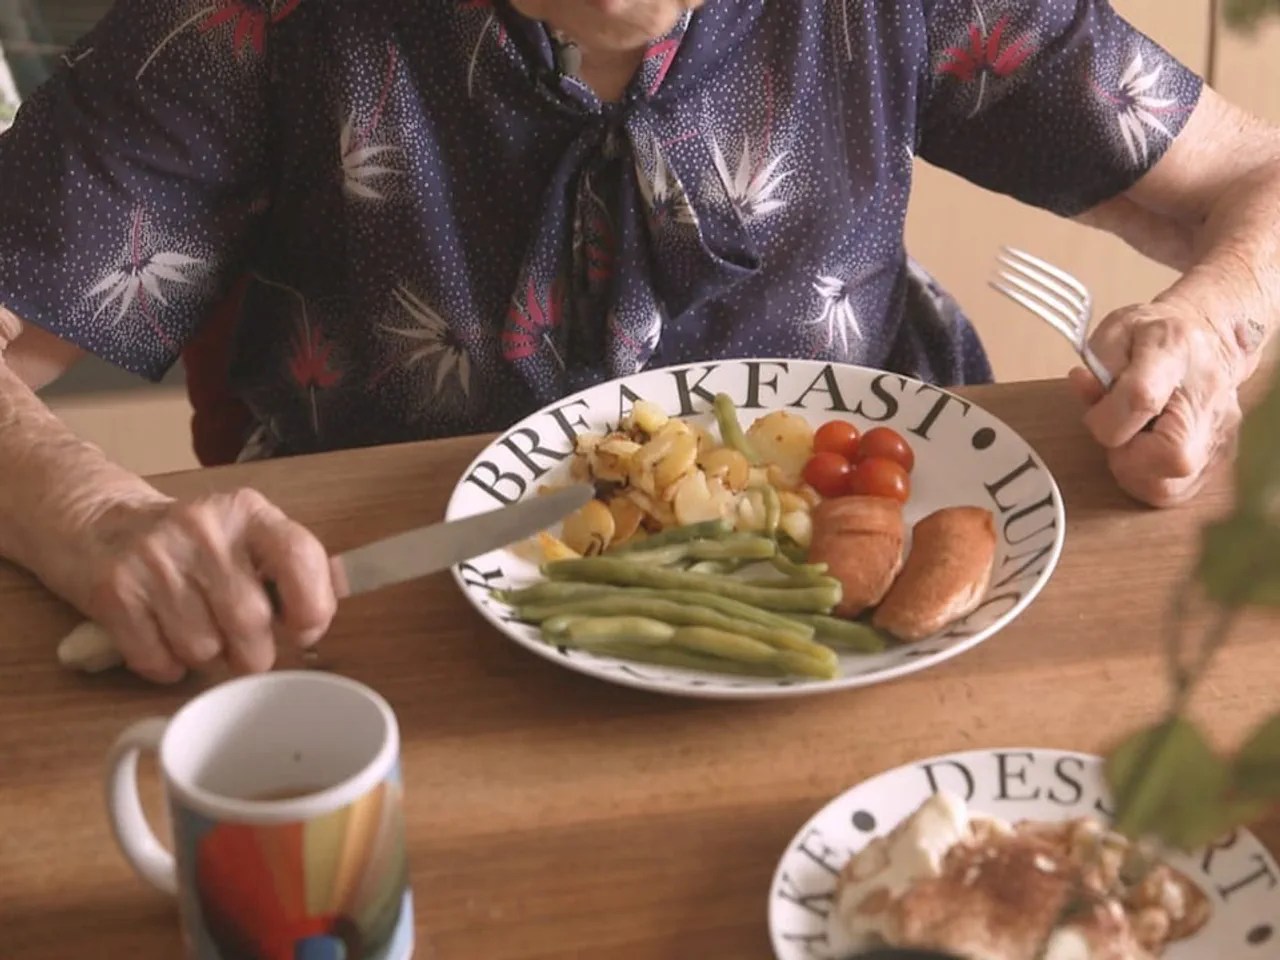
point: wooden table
(551, 815)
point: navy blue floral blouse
(432, 230)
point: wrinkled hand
(178, 585)
(1170, 363)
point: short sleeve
(1059, 103)
(130, 180)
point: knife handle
(89, 648)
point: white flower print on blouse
(661, 189)
(754, 182)
(365, 170)
(433, 341)
(1137, 104)
(836, 311)
(145, 280)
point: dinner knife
(396, 559)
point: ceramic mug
(284, 795)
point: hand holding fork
(1161, 381)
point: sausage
(946, 575)
(860, 539)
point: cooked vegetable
(553, 549)
(728, 466)
(828, 473)
(731, 430)
(681, 659)
(796, 636)
(837, 436)
(782, 439)
(736, 547)
(550, 592)
(590, 529)
(648, 416)
(709, 530)
(806, 572)
(877, 477)
(819, 597)
(845, 634)
(887, 444)
(589, 630)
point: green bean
(845, 634)
(796, 637)
(804, 572)
(739, 649)
(548, 592)
(737, 547)
(718, 567)
(707, 530)
(731, 430)
(772, 507)
(792, 551)
(683, 660)
(644, 631)
(558, 625)
(818, 597)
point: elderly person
(385, 220)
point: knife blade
(395, 559)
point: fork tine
(1040, 310)
(1064, 315)
(1050, 269)
(1079, 304)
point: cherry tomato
(878, 477)
(837, 436)
(828, 473)
(886, 444)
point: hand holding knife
(396, 559)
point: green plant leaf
(1256, 773)
(1240, 561)
(1247, 13)
(1258, 459)
(1169, 784)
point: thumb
(1085, 386)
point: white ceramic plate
(1238, 875)
(964, 456)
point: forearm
(53, 486)
(1234, 277)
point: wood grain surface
(551, 815)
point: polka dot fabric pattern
(437, 232)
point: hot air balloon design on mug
(330, 888)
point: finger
(141, 644)
(1169, 464)
(176, 599)
(295, 561)
(1085, 386)
(1156, 368)
(243, 613)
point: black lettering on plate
(827, 379)
(935, 784)
(570, 428)
(687, 391)
(491, 480)
(889, 401)
(627, 398)
(815, 847)
(535, 448)
(1263, 871)
(922, 429)
(1009, 775)
(993, 489)
(1035, 557)
(473, 576)
(755, 381)
(1022, 514)
(814, 944)
(819, 904)
(1068, 778)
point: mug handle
(134, 835)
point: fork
(1053, 295)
